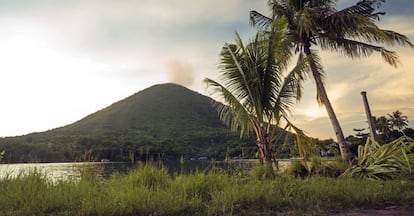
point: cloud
(179, 72)
(131, 44)
(104, 23)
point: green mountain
(165, 120)
(161, 111)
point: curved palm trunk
(345, 153)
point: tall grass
(149, 190)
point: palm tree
(351, 32)
(257, 95)
(398, 120)
(383, 125)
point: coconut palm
(257, 96)
(383, 125)
(351, 32)
(398, 120)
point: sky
(61, 60)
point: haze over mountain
(166, 119)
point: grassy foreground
(152, 191)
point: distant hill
(165, 120)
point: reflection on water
(72, 171)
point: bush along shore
(151, 190)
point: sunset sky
(64, 59)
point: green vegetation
(351, 31)
(258, 96)
(152, 191)
(393, 160)
(167, 121)
(389, 128)
(318, 167)
(392, 126)
(398, 120)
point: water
(72, 171)
(62, 171)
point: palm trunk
(370, 119)
(261, 149)
(266, 156)
(345, 153)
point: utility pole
(371, 122)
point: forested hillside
(164, 120)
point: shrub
(389, 161)
(298, 169)
(327, 168)
(263, 172)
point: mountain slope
(165, 120)
(171, 108)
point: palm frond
(259, 20)
(234, 71)
(397, 38)
(365, 8)
(234, 114)
(253, 55)
(306, 23)
(277, 60)
(368, 32)
(303, 142)
(356, 50)
(355, 31)
(341, 24)
(282, 9)
(291, 89)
